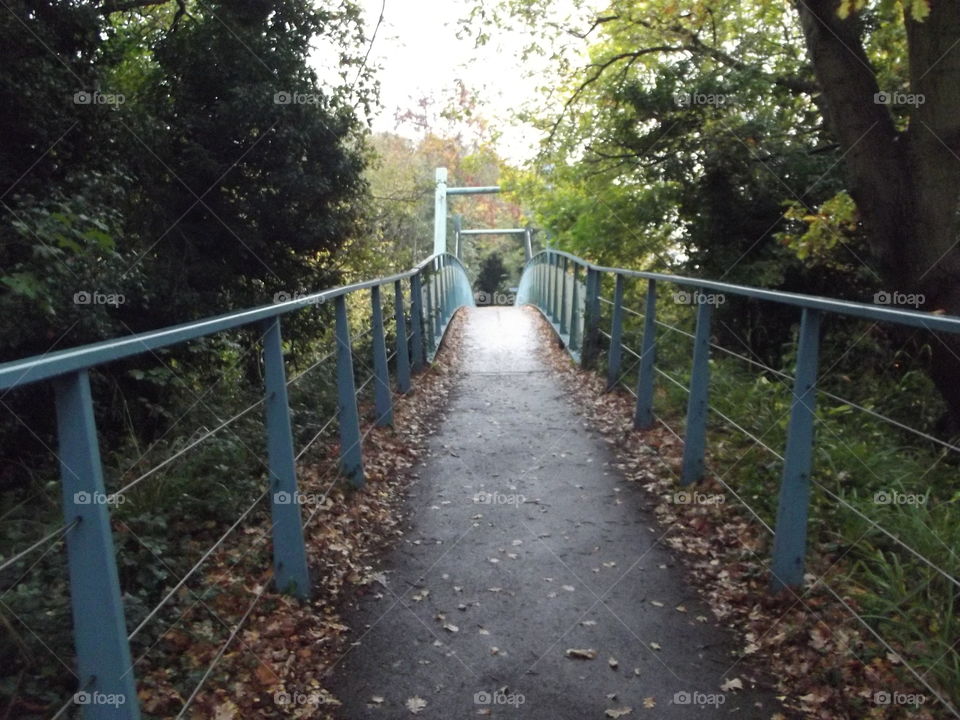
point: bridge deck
(489, 596)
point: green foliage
(492, 274)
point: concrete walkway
(524, 544)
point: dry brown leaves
(284, 648)
(809, 646)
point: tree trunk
(906, 183)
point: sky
(419, 55)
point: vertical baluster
(643, 415)
(790, 540)
(289, 552)
(591, 330)
(575, 310)
(99, 627)
(416, 322)
(695, 437)
(403, 351)
(382, 395)
(351, 449)
(564, 324)
(616, 335)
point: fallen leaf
(581, 654)
(732, 684)
(416, 704)
(649, 702)
(618, 712)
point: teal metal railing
(438, 287)
(567, 291)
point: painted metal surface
(615, 352)
(790, 539)
(289, 554)
(100, 634)
(382, 393)
(403, 350)
(643, 418)
(698, 401)
(578, 321)
(351, 453)
(103, 660)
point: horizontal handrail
(913, 318)
(18, 373)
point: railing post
(557, 278)
(441, 294)
(551, 287)
(790, 539)
(695, 437)
(403, 351)
(104, 665)
(430, 332)
(643, 415)
(382, 395)
(575, 310)
(591, 330)
(564, 327)
(616, 335)
(351, 449)
(416, 322)
(289, 553)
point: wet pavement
(525, 544)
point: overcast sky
(420, 55)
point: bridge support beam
(790, 540)
(403, 350)
(351, 449)
(440, 213)
(104, 665)
(382, 394)
(643, 414)
(695, 436)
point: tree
(813, 86)
(491, 276)
(903, 168)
